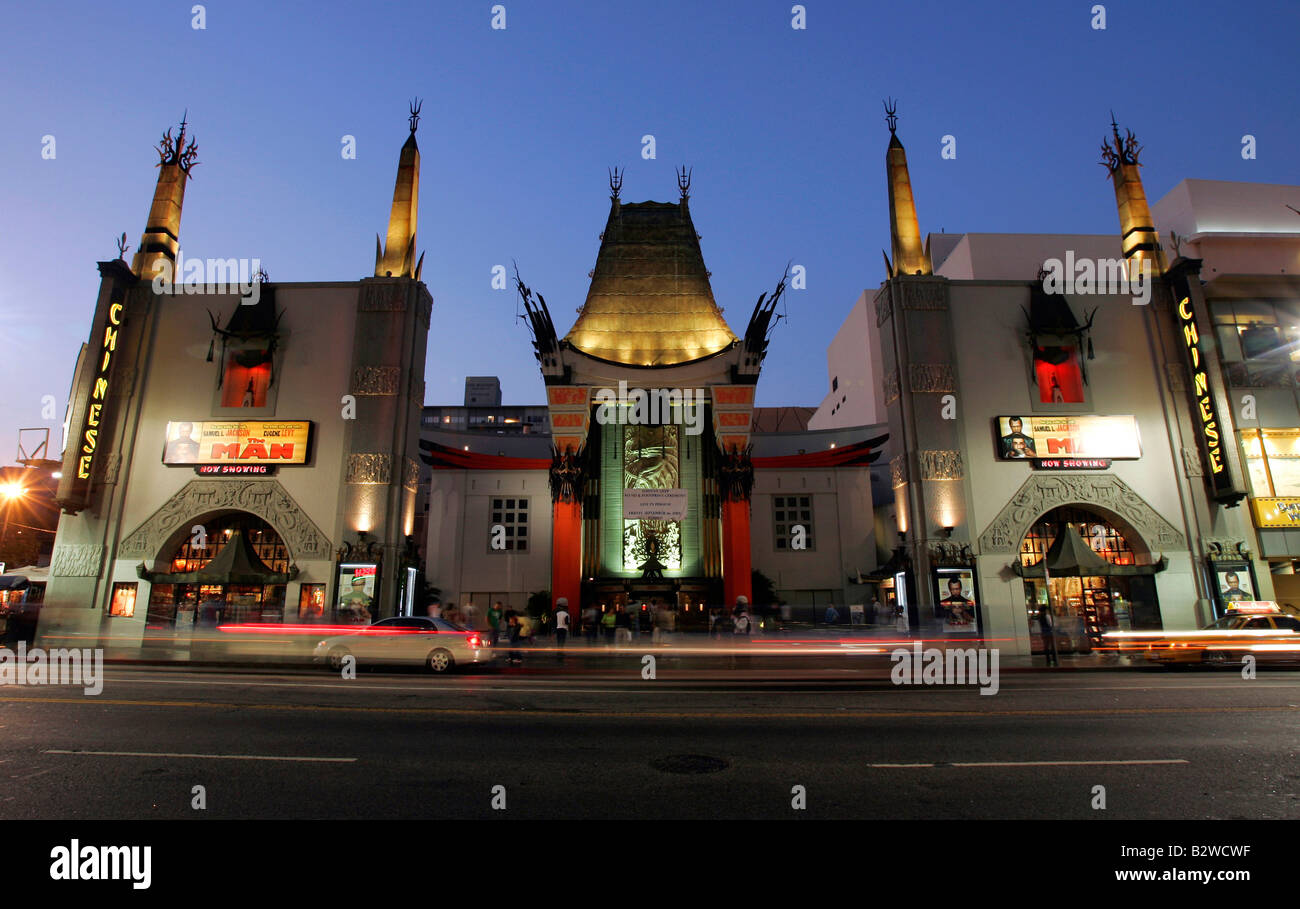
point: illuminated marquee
(89, 438)
(228, 442)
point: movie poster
(356, 593)
(955, 606)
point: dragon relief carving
(265, 498)
(1040, 494)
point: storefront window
(1259, 340)
(1272, 461)
(123, 602)
(311, 603)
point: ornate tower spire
(397, 256)
(910, 256)
(1138, 237)
(162, 231)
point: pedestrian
(879, 614)
(1047, 622)
(590, 624)
(742, 624)
(494, 616)
(434, 609)
(901, 624)
(622, 625)
(515, 656)
(832, 615)
(561, 625)
(607, 622)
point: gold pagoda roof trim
(650, 302)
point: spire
(910, 257)
(397, 256)
(162, 231)
(1139, 239)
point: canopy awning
(1069, 556)
(13, 582)
(236, 563)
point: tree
(764, 592)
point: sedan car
(435, 643)
(1270, 637)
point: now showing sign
(654, 504)
(1068, 438)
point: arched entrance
(228, 568)
(1093, 571)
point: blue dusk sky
(783, 127)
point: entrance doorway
(1091, 576)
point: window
(244, 386)
(788, 513)
(1272, 461)
(1060, 380)
(123, 602)
(311, 603)
(512, 516)
(1259, 341)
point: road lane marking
(635, 686)
(221, 757)
(839, 714)
(1035, 763)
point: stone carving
(891, 386)
(265, 498)
(1106, 492)
(1192, 462)
(369, 468)
(383, 296)
(931, 377)
(945, 554)
(941, 464)
(376, 380)
(1225, 549)
(897, 471)
(927, 297)
(111, 465)
(411, 476)
(123, 382)
(76, 560)
(1176, 374)
(882, 308)
(426, 309)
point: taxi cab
(1259, 629)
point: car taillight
(474, 640)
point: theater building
(1064, 438)
(240, 451)
(653, 483)
(1247, 236)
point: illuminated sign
(1206, 414)
(1276, 512)
(1068, 442)
(225, 442)
(88, 439)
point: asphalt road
(297, 744)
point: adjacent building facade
(240, 452)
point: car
(1263, 632)
(435, 643)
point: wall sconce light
(947, 531)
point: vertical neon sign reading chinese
(90, 431)
(1207, 416)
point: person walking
(832, 615)
(494, 617)
(1047, 622)
(590, 624)
(607, 622)
(561, 626)
(622, 625)
(515, 656)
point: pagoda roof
(650, 302)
